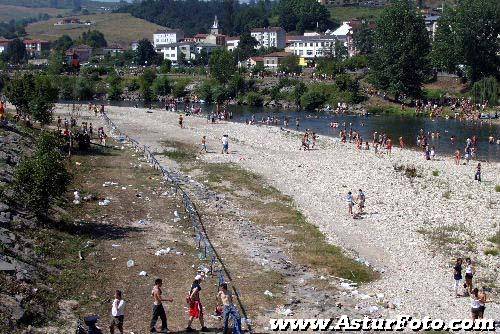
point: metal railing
(205, 248)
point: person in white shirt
(225, 144)
(117, 313)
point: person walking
(181, 120)
(158, 310)
(350, 202)
(204, 144)
(475, 304)
(457, 276)
(361, 201)
(229, 310)
(477, 176)
(225, 144)
(195, 307)
(469, 274)
(117, 313)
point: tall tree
(94, 39)
(16, 52)
(400, 61)
(146, 53)
(363, 39)
(301, 15)
(222, 65)
(467, 35)
(246, 47)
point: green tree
(40, 179)
(166, 66)
(16, 52)
(400, 61)
(467, 35)
(161, 86)
(363, 39)
(146, 54)
(145, 82)
(486, 89)
(94, 39)
(63, 43)
(115, 90)
(57, 63)
(41, 109)
(301, 15)
(290, 64)
(312, 100)
(18, 91)
(246, 47)
(222, 65)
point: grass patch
(340, 14)
(118, 28)
(495, 239)
(492, 251)
(435, 173)
(179, 155)
(447, 194)
(442, 237)
(497, 188)
(409, 171)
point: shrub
(492, 251)
(312, 100)
(497, 188)
(161, 86)
(43, 177)
(254, 99)
(435, 173)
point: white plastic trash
(268, 293)
(106, 202)
(130, 263)
(162, 252)
(143, 273)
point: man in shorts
(225, 144)
(117, 313)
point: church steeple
(215, 27)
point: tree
(222, 65)
(18, 91)
(363, 39)
(40, 179)
(145, 82)
(312, 100)
(115, 87)
(246, 47)
(63, 43)
(400, 61)
(467, 34)
(94, 39)
(486, 90)
(146, 53)
(166, 66)
(57, 62)
(161, 86)
(41, 109)
(290, 64)
(301, 15)
(16, 52)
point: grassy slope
(117, 28)
(340, 14)
(8, 12)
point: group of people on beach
(478, 297)
(225, 309)
(351, 201)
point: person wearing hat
(195, 307)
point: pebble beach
(412, 229)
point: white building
(431, 24)
(176, 52)
(232, 43)
(269, 37)
(167, 36)
(310, 47)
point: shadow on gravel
(99, 231)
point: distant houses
(271, 37)
(72, 21)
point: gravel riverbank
(413, 226)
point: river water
(395, 126)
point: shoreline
(397, 207)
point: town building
(80, 53)
(232, 43)
(35, 47)
(269, 37)
(167, 36)
(310, 47)
(273, 60)
(178, 52)
(431, 24)
(113, 49)
(4, 44)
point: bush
(179, 89)
(497, 188)
(435, 173)
(43, 177)
(254, 99)
(312, 100)
(161, 86)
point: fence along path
(205, 248)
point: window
(309, 52)
(301, 52)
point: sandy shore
(417, 276)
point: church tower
(215, 27)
